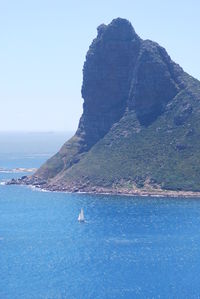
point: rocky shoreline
(144, 192)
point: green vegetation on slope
(166, 153)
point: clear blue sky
(43, 46)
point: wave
(17, 170)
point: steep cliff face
(106, 78)
(154, 82)
(140, 115)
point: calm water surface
(130, 247)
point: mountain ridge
(140, 126)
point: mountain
(140, 127)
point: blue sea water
(129, 247)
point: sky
(43, 44)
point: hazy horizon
(20, 143)
(37, 132)
(44, 45)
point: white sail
(81, 216)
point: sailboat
(81, 216)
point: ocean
(129, 247)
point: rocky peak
(119, 29)
(106, 78)
(137, 117)
(122, 72)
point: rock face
(107, 76)
(140, 125)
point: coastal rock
(138, 107)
